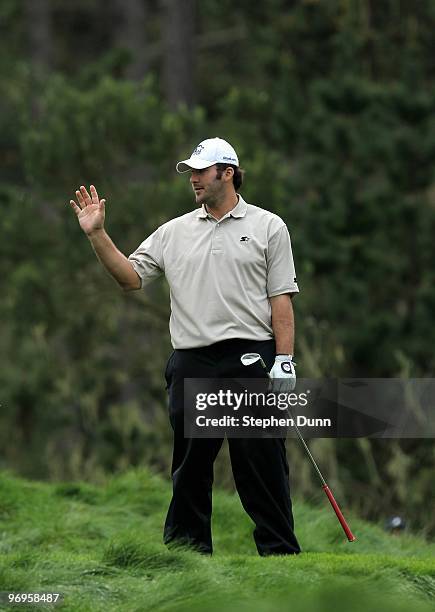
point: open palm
(90, 210)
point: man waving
(231, 276)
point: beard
(210, 196)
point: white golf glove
(282, 374)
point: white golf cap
(209, 152)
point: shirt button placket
(217, 241)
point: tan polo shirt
(220, 273)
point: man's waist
(229, 344)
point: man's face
(207, 188)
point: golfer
(230, 270)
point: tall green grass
(101, 548)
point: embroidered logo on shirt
(244, 239)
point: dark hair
(237, 176)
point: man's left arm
(283, 326)
(283, 323)
(281, 285)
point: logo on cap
(198, 149)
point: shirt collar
(237, 212)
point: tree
(178, 24)
(130, 33)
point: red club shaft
(339, 514)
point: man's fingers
(80, 200)
(74, 206)
(94, 195)
(86, 196)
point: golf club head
(249, 358)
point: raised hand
(90, 210)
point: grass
(101, 548)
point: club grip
(339, 514)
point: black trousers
(259, 466)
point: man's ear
(228, 174)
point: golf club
(250, 358)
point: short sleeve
(281, 275)
(147, 259)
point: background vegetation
(330, 106)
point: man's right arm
(115, 262)
(90, 212)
